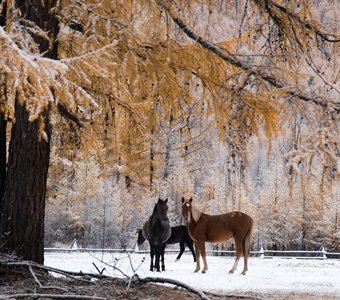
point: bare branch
(34, 276)
(62, 109)
(324, 36)
(174, 282)
(49, 296)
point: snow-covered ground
(319, 279)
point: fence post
(261, 251)
(74, 246)
(324, 253)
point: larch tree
(23, 180)
(137, 64)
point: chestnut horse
(157, 231)
(216, 229)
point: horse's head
(186, 208)
(141, 238)
(162, 207)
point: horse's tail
(247, 239)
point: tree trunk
(22, 207)
(3, 126)
(151, 163)
(23, 204)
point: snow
(320, 278)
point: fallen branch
(49, 296)
(171, 281)
(100, 272)
(72, 275)
(236, 296)
(34, 276)
(49, 287)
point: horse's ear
(183, 200)
(190, 200)
(166, 200)
(159, 199)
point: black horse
(179, 234)
(157, 231)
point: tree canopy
(132, 80)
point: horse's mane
(155, 208)
(196, 213)
(156, 216)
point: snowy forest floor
(266, 279)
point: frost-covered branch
(260, 72)
(332, 38)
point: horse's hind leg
(245, 268)
(239, 251)
(181, 247)
(246, 252)
(190, 246)
(162, 255)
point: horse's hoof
(204, 271)
(243, 273)
(231, 272)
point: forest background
(233, 102)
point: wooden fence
(322, 253)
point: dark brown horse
(157, 231)
(216, 229)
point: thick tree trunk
(23, 205)
(3, 121)
(3, 126)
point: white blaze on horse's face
(186, 209)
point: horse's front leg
(158, 254)
(162, 254)
(198, 253)
(152, 254)
(205, 265)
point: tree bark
(22, 207)
(23, 204)
(3, 126)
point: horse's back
(178, 233)
(220, 228)
(235, 221)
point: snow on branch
(332, 38)
(37, 82)
(263, 73)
